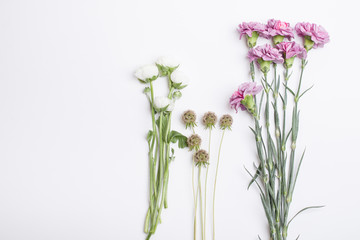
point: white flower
(146, 72)
(179, 77)
(171, 107)
(161, 102)
(167, 61)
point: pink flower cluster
(291, 49)
(316, 33)
(266, 53)
(279, 28)
(247, 88)
(274, 28)
(250, 27)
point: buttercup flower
(226, 122)
(194, 142)
(278, 30)
(264, 56)
(161, 103)
(252, 30)
(209, 119)
(314, 35)
(246, 89)
(201, 157)
(189, 118)
(290, 50)
(167, 61)
(147, 73)
(179, 79)
(171, 106)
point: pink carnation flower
(316, 33)
(291, 49)
(266, 53)
(250, 27)
(277, 27)
(247, 88)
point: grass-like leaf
(291, 91)
(302, 210)
(306, 91)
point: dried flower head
(226, 122)
(189, 118)
(194, 142)
(209, 119)
(201, 157)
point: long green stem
(295, 121)
(195, 217)
(201, 203)
(206, 178)
(216, 174)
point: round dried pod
(201, 157)
(226, 122)
(189, 118)
(194, 142)
(209, 120)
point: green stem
(167, 156)
(201, 203)
(290, 186)
(206, 178)
(216, 174)
(196, 202)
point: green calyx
(164, 70)
(249, 103)
(251, 41)
(308, 43)
(264, 65)
(278, 39)
(289, 62)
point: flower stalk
(278, 168)
(160, 138)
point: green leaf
(253, 177)
(291, 91)
(302, 210)
(258, 171)
(306, 91)
(165, 120)
(175, 136)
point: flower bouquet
(161, 137)
(275, 130)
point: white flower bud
(147, 72)
(147, 92)
(179, 77)
(177, 94)
(161, 102)
(167, 61)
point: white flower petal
(167, 61)
(179, 77)
(161, 102)
(147, 71)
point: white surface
(73, 120)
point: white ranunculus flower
(147, 71)
(171, 107)
(179, 77)
(161, 102)
(167, 61)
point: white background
(73, 119)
